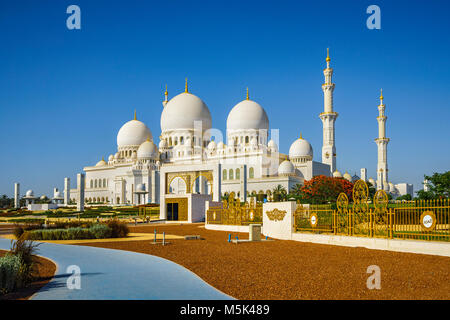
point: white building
(189, 167)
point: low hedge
(113, 229)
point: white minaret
(66, 191)
(382, 142)
(328, 118)
(364, 174)
(80, 185)
(17, 195)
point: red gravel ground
(45, 270)
(295, 270)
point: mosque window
(230, 174)
(104, 183)
(181, 140)
(251, 173)
(92, 183)
(238, 174)
(95, 183)
(224, 174)
(246, 139)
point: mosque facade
(189, 167)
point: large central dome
(247, 114)
(183, 110)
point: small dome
(347, 176)
(183, 110)
(272, 145)
(372, 182)
(162, 144)
(212, 146)
(355, 178)
(140, 187)
(286, 168)
(117, 155)
(43, 197)
(147, 150)
(220, 145)
(101, 163)
(111, 157)
(29, 193)
(247, 114)
(133, 133)
(300, 148)
(337, 174)
(254, 142)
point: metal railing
(427, 220)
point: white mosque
(188, 167)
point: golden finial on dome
(301, 136)
(247, 94)
(186, 86)
(148, 139)
(328, 55)
(381, 95)
(135, 114)
(165, 92)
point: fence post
(391, 223)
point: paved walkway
(116, 274)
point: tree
(405, 197)
(279, 193)
(323, 189)
(6, 202)
(438, 185)
(372, 190)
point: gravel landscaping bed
(295, 270)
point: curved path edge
(108, 274)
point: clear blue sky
(64, 94)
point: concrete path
(116, 274)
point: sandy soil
(45, 270)
(296, 270)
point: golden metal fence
(427, 220)
(233, 213)
(416, 220)
(313, 219)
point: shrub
(100, 231)
(18, 231)
(16, 268)
(10, 270)
(118, 229)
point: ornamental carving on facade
(276, 215)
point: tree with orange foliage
(323, 189)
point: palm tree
(279, 193)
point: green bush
(118, 229)
(10, 270)
(16, 268)
(100, 231)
